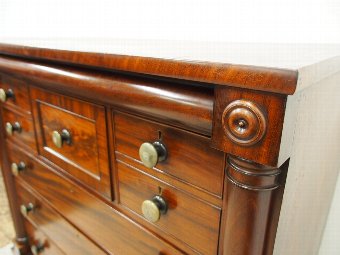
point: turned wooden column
(252, 201)
(247, 125)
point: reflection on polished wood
(131, 156)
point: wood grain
(178, 183)
(36, 237)
(107, 227)
(253, 194)
(266, 150)
(251, 77)
(190, 157)
(26, 137)
(192, 221)
(87, 156)
(54, 226)
(110, 104)
(20, 232)
(185, 106)
(21, 100)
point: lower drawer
(110, 229)
(39, 243)
(53, 225)
(188, 219)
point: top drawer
(189, 156)
(15, 93)
(72, 134)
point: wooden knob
(16, 168)
(37, 249)
(10, 128)
(59, 138)
(152, 209)
(152, 153)
(25, 209)
(4, 95)
(244, 122)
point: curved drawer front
(72, 134)
(104, 225)
(190, 157)
(54, 226)
(188, 219)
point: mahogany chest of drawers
(128, 156)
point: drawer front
(54, 226)
(190, 157)
(16, 93)
(188, 219)
(84, 153)
(25, 135)
(37, 239)
(108, 228)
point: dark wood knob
(152, 153)
(26, 209)
(17, 167)
(11, 128)
(37, 249)
(154, 208)
(4, 95)
(59, 138)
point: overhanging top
(263, 67)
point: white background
(288, 21)
(237, 21)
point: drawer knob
(59, 138)
(25, 209)
(37, 249)
(4, 95)
(152, 153)
(16, 168)
(152, 209)
(10, 128)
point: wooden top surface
(244, 76)
(264, 67)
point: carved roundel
(243, 122)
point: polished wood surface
(251, 194)
(190, 157)
(53, 225)
(220, 178)
(178, 183)
(26, 137)
(37, 238)
(272, 107)
(192, 221)
(108, 228)
(20, 238)
(189, 107)
(20, 100)
(86, 157)
(251, 77)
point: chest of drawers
(109, 154)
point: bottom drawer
(39, 243)
(53, 225)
